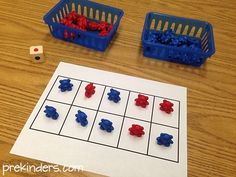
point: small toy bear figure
(81, 118)
(142, 101)
(114, 95)
(165, 139)
(136, 130)
(65, 85)
(106, 125)
(166, 106)
(36, 52)
(51, 112)
(89, 90)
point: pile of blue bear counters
(190, 47)
(168, 37)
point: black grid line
(150, 128)
(119, 88)
(127, 150)
(96, 113)
(178, 134)
(70, 107)
(44, 101)
(123, 120)
(58, 102)
(105, 86)
(112, 114)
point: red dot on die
(36, 49)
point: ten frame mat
(117, 154)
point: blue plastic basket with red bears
(84, 22)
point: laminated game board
(117, 153)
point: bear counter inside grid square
(64, 141)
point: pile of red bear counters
(82, 23)
(142, 100)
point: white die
(36, 52)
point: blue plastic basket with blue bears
(177, 39)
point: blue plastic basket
(181, 26)
(93, 11)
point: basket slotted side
(93, 11)
(181, 26)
